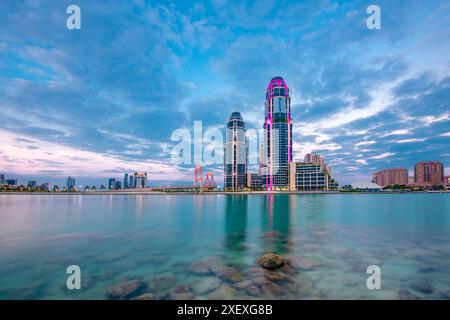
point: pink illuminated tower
(277, 152)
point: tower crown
(277, 88)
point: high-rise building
(140, 180)
(277, 152)
(390, 177)
(125, 181)
(2, 179)
(111, 182)
(131, 183)
(70, 183)
(235, 153)
(428, 173)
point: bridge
(200, 184)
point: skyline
(364, 99)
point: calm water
(201, 247)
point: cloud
(114, 91)
(383, 155)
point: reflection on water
(200, 247)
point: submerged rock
(270, 261)
(182, 293)
(162, 283)
(205, 266)
(304, 264)
(145, 296)
(253, 291)
(224, 292)
(276, 276)
(445, 295)
(125, 290)
(227, 273)
(407, 295)
(205, 285)
(422, 286)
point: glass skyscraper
(277, 144)
(235, 153)
(70, 183)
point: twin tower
(275, 149)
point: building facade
(2, 179)
(235, 161)
(70, 183)
(140, 180)
(254, 181)
(308, 176)
(131, 182)
(428, 173)
(316, 159)
(390, 177)
(125, 181)
(277, 147)
(111, 182)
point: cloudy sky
(105, 99)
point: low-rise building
(254, 181)
(308, 176)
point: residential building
(277, 147)
(428, 173)
(390, 177)
(235, 153)
(140, 180)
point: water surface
(201, 247)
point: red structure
(209, 181)
(198, 176)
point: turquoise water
(203, 247)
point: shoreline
(210, 193)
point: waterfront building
(390, 177)
(140, 180)
(235, 154)
(428, 173)
(117, 185)
(2, 179)
(316, 159)
(329, 170)
(254, 181)
(131, 183)
(11, 182)
(32, 183)
(308, 176)
(70, 184)
(111, 182)
(277, 147)
(125, 181)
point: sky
(105, 99)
